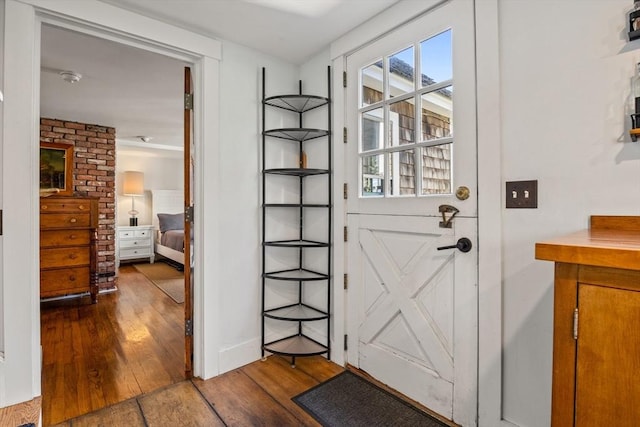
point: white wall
(161, 172)
(566, 68)
(239, 175)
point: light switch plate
(521, 194)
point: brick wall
(94, 174)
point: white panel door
(412, 309)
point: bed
(168, 222)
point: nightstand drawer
(128, 234)
(64, 257)
(135, 243)
(64, 237)
(135, 253)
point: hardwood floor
(258, 394)
(120, 363)
(94, 355)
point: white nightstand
(135, 243)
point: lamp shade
(133, 183)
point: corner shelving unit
(298, 312)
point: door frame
(20, 362)
(489, 187)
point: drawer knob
(81, 207)
(135, 243)
(73, 220)
(44, 207)
(72, 278)
(72, 237)
(73, 256)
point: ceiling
(293, 30)
(140, 93)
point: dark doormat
(349, 400)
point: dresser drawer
(135, 253)
(62, 220)
(64, 257)
(64, 205)
(64, 237)
(64, 281)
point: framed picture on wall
(56, 166)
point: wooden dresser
(596, 333)
(68, 246)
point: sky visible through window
(435, 55)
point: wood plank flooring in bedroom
(94, 355)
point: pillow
(171, 221)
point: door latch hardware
(445, 209)
(463, 245)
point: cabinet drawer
(64, 257)
(65, 205)
(135, 243)
(135, 253)
(64, 237)
(61, 220)
(64, 281)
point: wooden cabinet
(596, 341)
(135, 243)
(68, 246)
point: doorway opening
(123, 113)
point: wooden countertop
(610, 242)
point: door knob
(463, 245)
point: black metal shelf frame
(298, 311)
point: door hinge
(344, 135)
(188, 213)
(346, 281)
(344, 191)
(188, 328)
(345, 342)
(344, 79)
(188, 101)
(575, 324)
(345, 233)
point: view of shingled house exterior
(436, 123)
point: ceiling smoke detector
(144, 138)
(70, 76)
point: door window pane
(372, 130)
(412, 90)
(401, 122)
(402, 173)
(435, 59)
(401, 73)
(373, 175)
(436, 169)
(372, 88)
(437, 112)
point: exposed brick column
(94, 175)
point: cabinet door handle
(73, 220)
